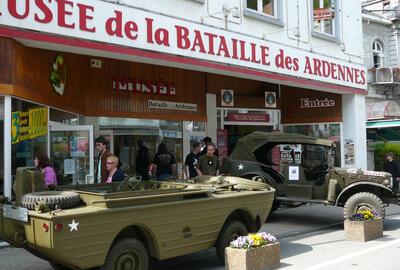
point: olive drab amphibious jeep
(122, 225)
(301, 170)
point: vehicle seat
(28, 179)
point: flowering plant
(253, 240)
(363, 215)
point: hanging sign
(248, 117)
(167, 105)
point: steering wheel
(132, 182)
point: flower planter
(363, 231)
(260, 258)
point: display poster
(293, 173)
(26, 125)
(69, 166)
(222, 143)
(291, 153)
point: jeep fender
(364, 186)
(271, 180)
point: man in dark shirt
(164, 164)
(189, 170)
(208, 164)
(392, 166)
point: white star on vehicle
(240, 167)
(73, 225)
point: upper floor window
(265, 10)
(378, 53)
(324, 16)
(265, 7)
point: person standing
(42, 162)
(206, 141)
(142, 161)
(114, 174)
(208, 164)
(101, 174)
(189, 171)
(164, 164)
(392, 166)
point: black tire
(230, 231)
(61, 199)
(363, 200)
(56, 266)
(127, 254)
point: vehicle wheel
(363, 201)
(127, 254)
(57, 266)
(229, 232)
(61, 199)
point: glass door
(72, 153)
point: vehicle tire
(363, 200)
(127, 254)
(230, 231)
(61, 199)
(57, 266)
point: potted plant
(258, 251)
(363, 226)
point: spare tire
(52, 199)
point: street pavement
(311, 237)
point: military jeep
(123, 225)
(301, 170)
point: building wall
(89, 91)
(295, 14)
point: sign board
(248, 117)
(167, 105)
(130, 27)
(227, 98)
(294, 173)
(144, 86)
(323, 14)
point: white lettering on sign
(125, 26)
(144, 86)
(167, 105)
(316, 103)
(370, 173)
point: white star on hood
(240, 167)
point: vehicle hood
(356, 175)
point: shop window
(324, 131)
(378, 53)
(128, 132)
(1, 144)
(266, 10)
(63, 117)
(29, 132)
(325, 17)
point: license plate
(15, 212)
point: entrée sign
(126, 26)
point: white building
(298, 64)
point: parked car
(301, 170)
(122, 225)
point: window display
(29, 132)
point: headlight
(388, 182)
